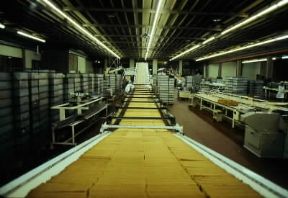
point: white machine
(265, 134)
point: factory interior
(143, 98)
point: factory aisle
(220, 137)
(143, 163)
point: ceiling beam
(152, 11)
(160, 27)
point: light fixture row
(153, 27)
(26, 34)
(78, 26)
(234, 27)
(248, 46)
(2, 26)
(31, 36)
(263, 59)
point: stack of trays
(118, 82)
(84, 83)
(72, 84)
(256, 88)
(56, 96)
(6, 113)
(99, 83)
(21, 103)
(91, 84)
(165, 87)
(39, 102)
(112, 82)
(189, 80)
(236, 85)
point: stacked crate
(7, 145)
(99, 84)
(85, 83)
(21, 102)
(112, 82)
(6, 111)
(188, 82)
(39, 103)
(56, 97)
(91, 84)
(118, 82)
(22, 124)
(236, 85)
(72, 84)
(256, 88)
(165, 87)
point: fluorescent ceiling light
(256, 16)
(262, 13)
(78, 27)
(30, 36)
(255, 60)
(209, 40)
(284, 57)
(185, 52)
(2, 26)
(153, 27)
(243, 47)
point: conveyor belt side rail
(263, 186)
(22, 185)
(141, 107)
(106, 126)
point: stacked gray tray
(188, 82)
(6, 111)
(236, 85)
(91, 84)
(84, 83)
(118, 82)
(256, 88)
(112, 82)
(21, 103)
(165, 87)
(72, 84)
(39, 102)
(56, 97)
(99, 84)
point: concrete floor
(220, 137)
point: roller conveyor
(143, 162)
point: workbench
(210, 101)
(83, 112)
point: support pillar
(220, 70)
(206, 73)
(131, 63)
(239, 68)
(155, 66)
(180, 67)
(269, 68)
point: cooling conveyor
(139, 160)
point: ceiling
(125, 25)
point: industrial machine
(75, 117)
(265, 134)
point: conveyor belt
(143, 163)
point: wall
(29, 57)
(89, 66)
(10, 51)
(228, 69)
(55, 60)
(250, 70)
(82, 64)
(213, 70)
